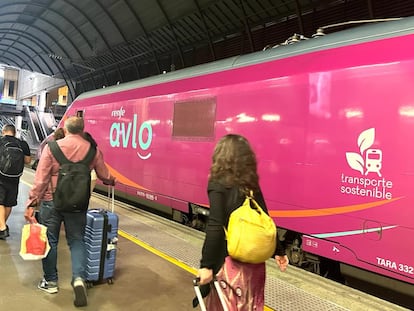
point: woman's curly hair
(59, 133)
(234, 163)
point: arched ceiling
(95, 43)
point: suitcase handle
(111, 198)
(196, 283)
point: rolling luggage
(200, 297)
(101, 237)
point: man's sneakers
(48, 286)
(4, 233)
(79, 289)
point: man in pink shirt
(75, 148)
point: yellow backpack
(251, 233)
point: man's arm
(43, 175)
(101, 170)
(27, 159)
(26, 151)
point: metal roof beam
(147, 36)
(246, 25)
(40, 30)
(117, 27)
(7, 50)
(299, 16)
(43, 31)
(12, 61)
(180, 52)
(18, 57)
(43, 47)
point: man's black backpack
(11, 157)
(73, 188)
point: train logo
(373, 157)
(373, 161)
(125, 135)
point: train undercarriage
(377, 285)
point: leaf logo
(366, 139)
(356, 160)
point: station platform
(156, 262)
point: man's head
(74, 125)
(9, 130)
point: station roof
(96, 43)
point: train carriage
(330, 119)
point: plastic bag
(34, 244)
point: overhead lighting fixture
(54, 56)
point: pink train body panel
(333, 133)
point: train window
(194, 119)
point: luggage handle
(198, 294)
(196, 283)
(111, 198)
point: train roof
(365, 33)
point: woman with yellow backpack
(233, 185)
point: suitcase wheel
(110, 281)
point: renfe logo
(123, 134)
(367, 162)
(118, 113)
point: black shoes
(49, 287)
(4, 233)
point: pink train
(331, 120)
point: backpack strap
(61, 158)
(250, 195)
(89, 156)
(57, 152)
(3, 141)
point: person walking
(56, 135)
(233, 174)
(74, 147)
(14, 154)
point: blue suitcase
(101, 237)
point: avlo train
(331, 120)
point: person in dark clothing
(233, 174)
(9, 186)
(89, 138)
(59, 133)
(56, 135)
(94, 144)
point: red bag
(34, 244)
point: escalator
(40, 124)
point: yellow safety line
(156, 252)
(176, 262)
